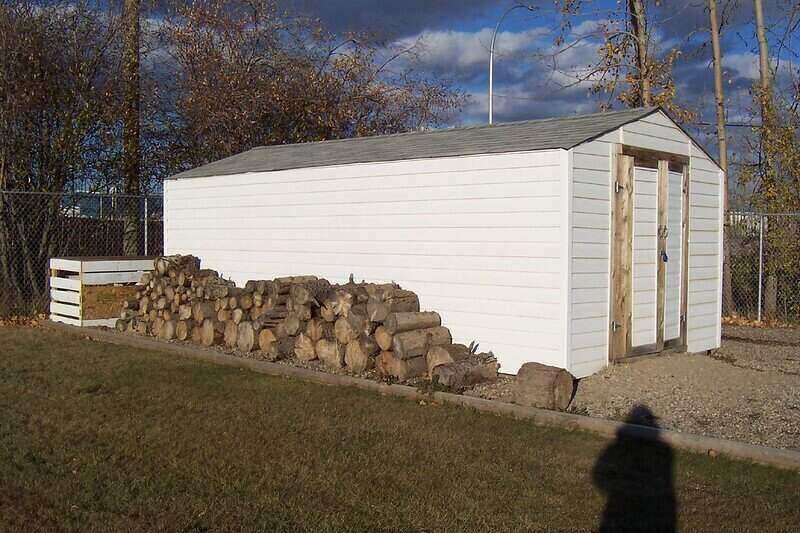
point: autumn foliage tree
(58, 124)
(239, 74)
(632, 68)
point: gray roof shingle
(544, 134)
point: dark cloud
(392, 18)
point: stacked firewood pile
(355, 326)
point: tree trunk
(728, 303)
(638, 18)
(131, 157)
(763, 47)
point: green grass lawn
(101, 437)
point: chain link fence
(765, 266)
(37, 226)
(764, 248)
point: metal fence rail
(35, 226)
(765, 265)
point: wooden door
(648, 255)
(646, 268)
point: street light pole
(491, 52)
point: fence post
(760, 262)
(145, 225)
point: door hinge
(683, 318)
(615, 326)
(617, 186)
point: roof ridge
(634, 111)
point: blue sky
(453, 38)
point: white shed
(571, 242)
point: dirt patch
(748, 390)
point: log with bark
(543, 386)
(447, 353)
(212, 332)
(382, 304)
(304, 348)
(183, 329)
(459, 375)
(388, 364)
(383, 338)
(400, 322)
(358, 355)
(231, 334)
(330, 353)
(416, 343)
(266, 339)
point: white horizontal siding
(591, 228)
(656, 132)
(479, 238)
(705, 253)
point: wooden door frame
(621, 248)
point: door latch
(664, 256)
(615, 326)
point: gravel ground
(748, 390)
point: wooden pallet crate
(88, 291)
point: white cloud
(458, 50)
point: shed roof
(529, 135)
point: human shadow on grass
(637, 478)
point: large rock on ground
(543, 386)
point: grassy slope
(103, 437)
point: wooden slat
(622, 248)
(65, 320)
(661, 270)
(105, 278)
(108, 322)
(73, 311)
(62, 296)
(65, 283)
(117, 265)
(60, 263)
(644, 155)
